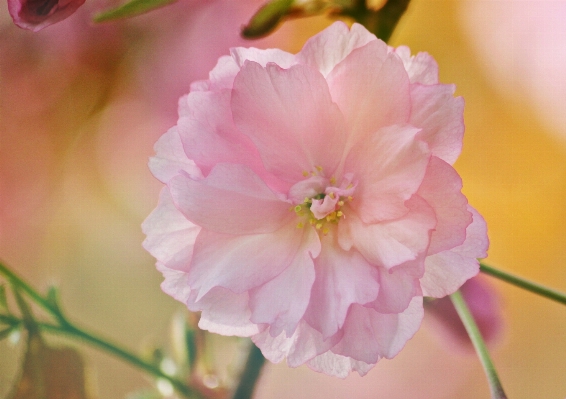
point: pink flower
(311, 202)
(38, 14)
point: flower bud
(38, 14)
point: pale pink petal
(389, 167)
(446, 271)
(441, 189)
(170, 158)
(421, 68)
(305, 344)
(370, 335)
(337, 287)
(337, 365)
(393, 243)
(231, 199)
(221, 76)
(241, 262)
(371, 89)
(282, 58)
(290, 117)
(282, 302)
(397, 287)
(441, 117)
(175, 283)
(170, 236)
(224, 312)
(328, 48)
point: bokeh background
(82, 105)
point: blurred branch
(131, 9)
(65, 327)
(479, 344)
(250, 374)
(521, 282)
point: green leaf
(3, 298)
(266, 19)
(131, 9)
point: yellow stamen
(325, 230)
(339, 214)
(340, 203)
(300, 225)
(319, 168)
(318, 226)
(298, 208)
(350, 198)
(331, 195)
(349, 186)
(305, 173)
(332, 180)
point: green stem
(479, 344)
(524, 283)
(250, 374)
(69, 329)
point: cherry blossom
(310, 200)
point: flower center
(322, 200)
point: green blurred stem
(382, 22)
(250, 374)
(524, 283)
(67, 328)
(479, 344)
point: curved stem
(479, 344)
(521, 282)
(250, 374)
(68, 328)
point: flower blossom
(310, 201)
(38, 14)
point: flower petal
(370, 335)
(389, 167)
(371, 89)
(338, 365)
(305, 344)
(441, 189)
(421, 68)
(397, 287)
(241, 262)
(392, 243)
(290, 117)
(342, 278)
(225, 312)
(170, 158)
(441, 117)
(282, 302)
(231, 199)
(446, 271)
(170, 236)
(328, 48)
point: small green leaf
(131, 9)
(266, 19)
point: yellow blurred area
(75, 188)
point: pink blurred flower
(484, 305)
(311, 201)
(38, 14)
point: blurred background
(81, 107)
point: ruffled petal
(342, 278)
(170, 236)
(392, 243)
(441, 117)
(170, 158)
(421, 68)
(175, 283)
(225, 312)
(282, 302)
(371, 89)
(290, 117)
(446, 271)
(441, 189)
(305, 344)
(328, 48)
(389, 167)
(231, 200)
(397, 287)
(370, 335)
(338, 366)
(241, 262)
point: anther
(340, 203)
(305, 173)
(300, 225)
(339, 214)
(332, 180)
(298, 208)
(319, 168)
(318, 226)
